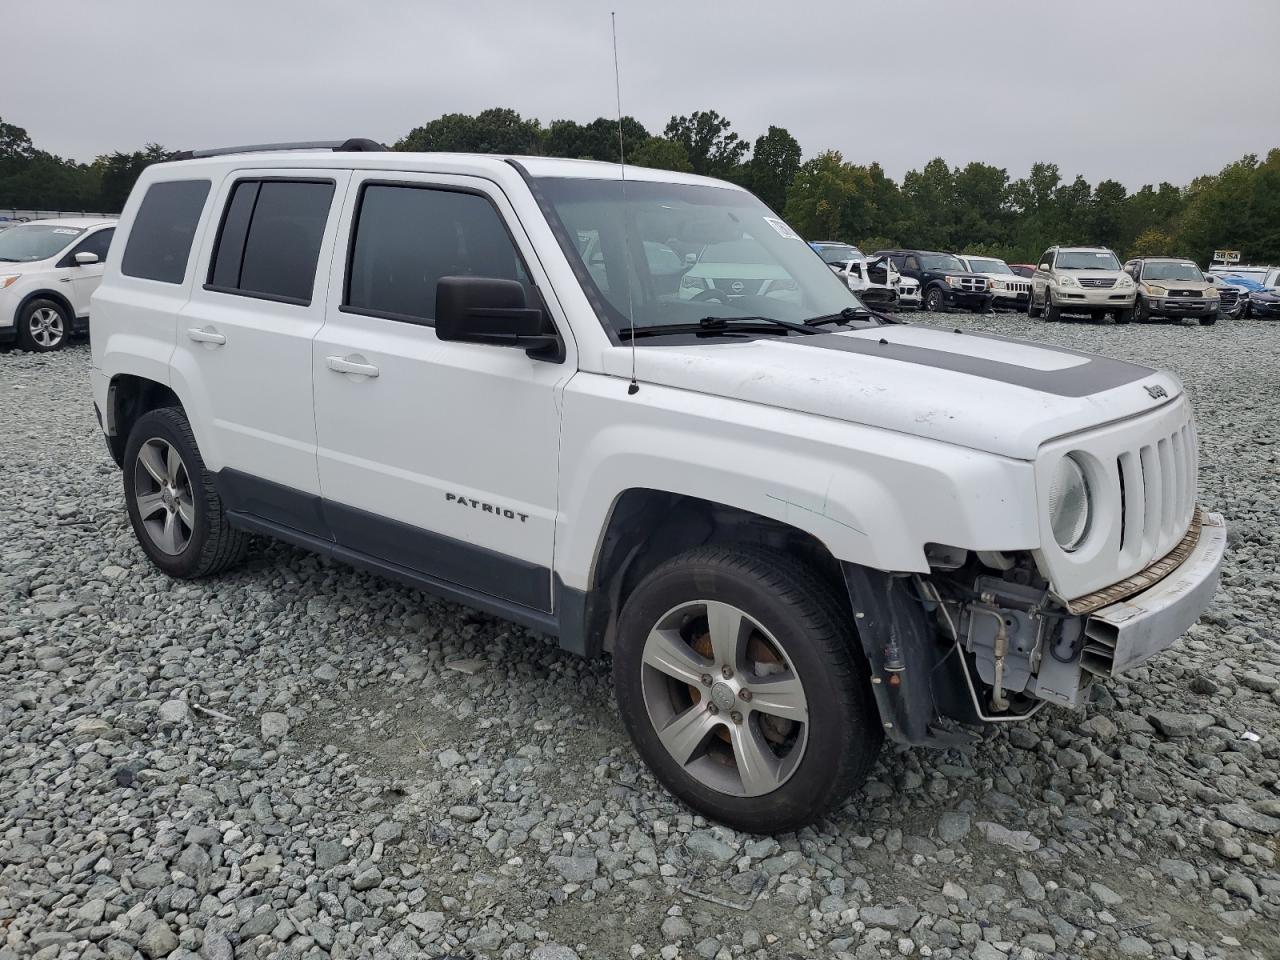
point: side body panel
(443, 456)
(871, 496)
(242, 364)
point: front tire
(43, 326)
(1124, 316)
(1209, 321)
(740, 681)
(176, 514)
(1051, 312)
(1033, 312)
(935, 301)
(1140, 312)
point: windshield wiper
(847, 314)
(716, 325)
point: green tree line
(976, 208)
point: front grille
(1184, 293)
(1158, 487)
(1228, 297)
(972, 284)
(1015, 287)
(1098, 283)
(738, 287)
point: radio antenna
(633, 387)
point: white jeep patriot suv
(797, 529)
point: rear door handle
(346, 365)
(206, 335)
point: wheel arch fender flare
(69, 314)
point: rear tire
(717, 621)
(176, 514)
(43, 326)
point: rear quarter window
(159, 242)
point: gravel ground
(301, 760)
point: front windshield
(1170, 270)
(941, 261)
(661, 254)
(988, 265)
(838, 252)
(35, 241)
(1086, 260)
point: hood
(1196, 285)
(1269, 295)
(984, 392)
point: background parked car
(1172, 287)
(48, 270)
(944, 280)
(733, 269)
(1232, 297)
(1264, 304)
(1023, 269)
(909, 297)
(1081, 280)
(1007, 288)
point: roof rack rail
(353, 145)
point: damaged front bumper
(945, 651)
(1123, 635)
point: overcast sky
(1137, 90)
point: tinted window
(97, 243)
(407, 238)
(160, 239)
(270, 239)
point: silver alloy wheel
(46, 327)
(162, 493)
(724, 698)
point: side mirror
(84, 258)
(493, 311)
(1044, 267)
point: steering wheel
(705, 295)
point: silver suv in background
(1081, 280)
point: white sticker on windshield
(1103, 256)
(65, 231)
(782, 229)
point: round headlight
(1070, 504)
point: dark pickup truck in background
(944, 279)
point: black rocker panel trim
(244, 493)
(440, 557)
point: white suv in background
(1008, 290)
(417, 364)
(48, 271)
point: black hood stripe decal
(1095, 375)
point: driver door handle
(345, 365)
(206, 335)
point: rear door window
(269, 241)
(160, 239)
